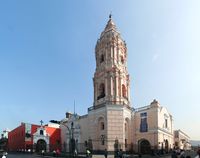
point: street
(22, 156)
(11, 155)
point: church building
(112, 123)
(34, 138)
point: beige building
(112, 123)
(153, 126)
(181, 140)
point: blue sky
(47, 57)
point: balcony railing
(117, 103)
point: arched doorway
(41, 145)
(166, 145)
(144, 146)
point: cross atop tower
(110, 15)
(41, 122)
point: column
(106, 86)
(116, 89)
(111, 86)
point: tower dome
(110, 28)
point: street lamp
(66, 133)
(72, 143)
(69, 124)
(72, 140)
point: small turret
(155, 103)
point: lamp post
(72, 140)
(69, 132)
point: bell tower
(111, 114)
(111, 78)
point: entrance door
(166, 146)
(144, 146)
(41, 145)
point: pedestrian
(88, 153)
(188, 156)
(116, 153)
(75, 153)
(182, 155)
(173, 155)
(57, 152)
(54, 153)
(42, 152)
(105, 153)
(198, 154)
(120, 153)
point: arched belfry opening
(124, 93)
(101, 58)
(101, 91)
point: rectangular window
(144, 114)
(126, 144)
(166, 125)
(143, 123)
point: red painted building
(35, 138)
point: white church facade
(112, 123)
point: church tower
(111, 78)
(111, 114)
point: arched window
(102, 126)
(124, 91)
(101, 91)
(122, 59)
(41, 132)
(102, 58)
